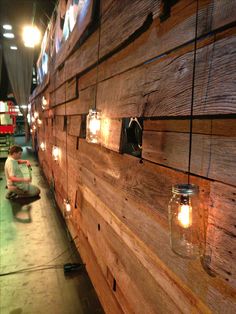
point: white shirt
(12, 169)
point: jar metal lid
(187, 189)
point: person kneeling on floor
(17, 185)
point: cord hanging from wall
(93, 125)
(67, 206)
(184, 216)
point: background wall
(119, 202)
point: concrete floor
(37, 241)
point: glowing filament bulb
(39, 122)
(43, 146)
(67, 210)
(55, 152)
(44, 102)
(68, 207)
(94, 125)
(33, 119)
(36, 115)
(185, 215)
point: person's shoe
(11, 195)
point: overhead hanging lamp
(184, 210)
(93, 123)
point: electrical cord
(192, 94)
(42, 266)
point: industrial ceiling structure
(19, 13)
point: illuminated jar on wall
(185, 221)
(93, 128)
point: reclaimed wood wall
(119, 202)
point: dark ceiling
(18, 13)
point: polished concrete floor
(34, 246)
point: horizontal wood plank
(111, 130)
(157, 92)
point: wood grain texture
(132, 293)
(106, 297)
(158, 39)
(161, 36)
(214, 157)
(111, 131)
(166, 148)
(74, 125)
(66, 92)
(153, 262)
(210, 153)
(153, 90)
(221, 232)
(224, 127)
(119, 202)
(119, 22)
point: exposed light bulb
(31, 36)
(185, 215)
(68, 207)
(55, 152)
(43, 146)
(44, 102)
(185, 221)
(67, 210)
(93, 126)
(36, 115)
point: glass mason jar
(184, 221)
(93, 126)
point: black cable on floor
(43, 266)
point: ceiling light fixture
(31, 36)
(13, 47)
(8, 35)
(7, 27)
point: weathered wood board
(120, 202)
